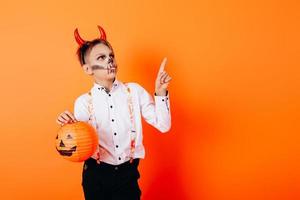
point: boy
(115, 110)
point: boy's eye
(112, 55)
(102, 57)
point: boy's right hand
(65, 118)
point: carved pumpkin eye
(69, 136)
(61, 144)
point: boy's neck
(106, 83)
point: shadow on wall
(169, 153)
(162, 150)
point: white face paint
(102, 62)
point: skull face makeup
(97, 53)
(111, 66)
(102, 58)
(110, 69)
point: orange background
(235, 94)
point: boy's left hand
(162, 81)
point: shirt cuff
(162, 96)
(162, 100)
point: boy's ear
(87, 69)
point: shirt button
(119, 158)
(117, 146)
(115, 133)
(116, 168)
(112, 120)
(163, 100)
(109, 94)
(110, 106)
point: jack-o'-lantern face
(66, 144)
(76, 141)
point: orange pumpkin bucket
(76, 141)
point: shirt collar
(97, 86)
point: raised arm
(157, 112)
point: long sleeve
(156, 112)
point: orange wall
(235, 94)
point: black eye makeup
(102, 57)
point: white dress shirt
(112, 116)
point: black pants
(110, 182)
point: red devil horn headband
(81, 41)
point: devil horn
(102, 33)
(79, 40)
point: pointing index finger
(162, 65)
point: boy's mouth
(112, 70)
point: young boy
(115, 110)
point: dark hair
(87, 46)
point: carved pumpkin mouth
(67, 152)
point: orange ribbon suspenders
(132, 131)
(92, 118)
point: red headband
(81, 41)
